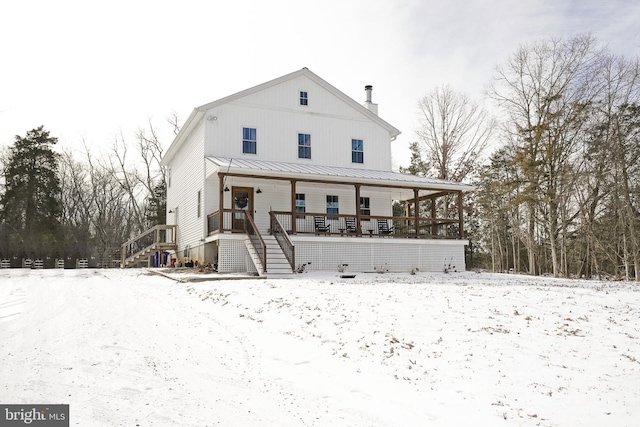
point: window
(249, 140)
(365, 207)
(199, 203)
(332, 206)
(301, 204)
(304, 99)
(304, 146)
(357, 153)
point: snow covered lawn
(131, 348)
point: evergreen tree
(31, 203)
(157, 205)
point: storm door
(242, 200)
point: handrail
(152, 237)
(213, 223)
(288, 249)
(404, 226)
(256, 240)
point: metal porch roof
(301, 171)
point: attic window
(304, 98)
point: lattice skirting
(326, 254)
(393, 255)
(233, 257)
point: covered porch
(352, 214)
(379, 203)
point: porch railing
(232, 220)
(159, 237)
(338, 225)
(369, 226)
(283, 240)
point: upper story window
(357, 151)
(249, 142)
(304, 98)
(304, 146)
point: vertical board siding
(187, 172)
(276, 195)
(277, 118)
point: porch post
(460, 218)
(293, 206)
(434, 228)
(416, 211)
(358, 230)
(221, 203)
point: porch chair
(383, 227)
(350, 225)
(320, 225)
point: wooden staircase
(138, 250)
(277, 263)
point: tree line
(556, 169)
(54, 205)
(560, 192)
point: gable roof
(314, 77)
(198, 113)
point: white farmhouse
(295, 173)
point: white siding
(276, 115)
(276, 195)
(187, 178)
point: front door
(242, 200)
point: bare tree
(174, 121)
(452, 132)
(546, 90)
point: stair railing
(159, 237)
(256, 240)
(283, 240)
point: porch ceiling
(330, 174)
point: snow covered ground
(132, 348)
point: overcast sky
(92, 70)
